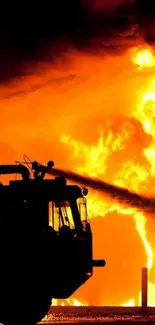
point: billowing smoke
(121, 195)
(32, 34)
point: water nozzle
(50, 164)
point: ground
(93, 316)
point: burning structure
(92, 109)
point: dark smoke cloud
(32, 33)
(119, 194)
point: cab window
(82, 207)
(60, 214)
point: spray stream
(121, 195)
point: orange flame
(144, 58)
(95, 115)
(133, 176)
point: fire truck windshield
(60, 215)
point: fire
(130, 303)
(102, 208)
(144, 57)
(94, 114)
(140, 223)
(69, 301)
(94, 162)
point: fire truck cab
(45, 243)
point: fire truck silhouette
(45, 242)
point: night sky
(32, 33)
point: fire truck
(45, 242)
